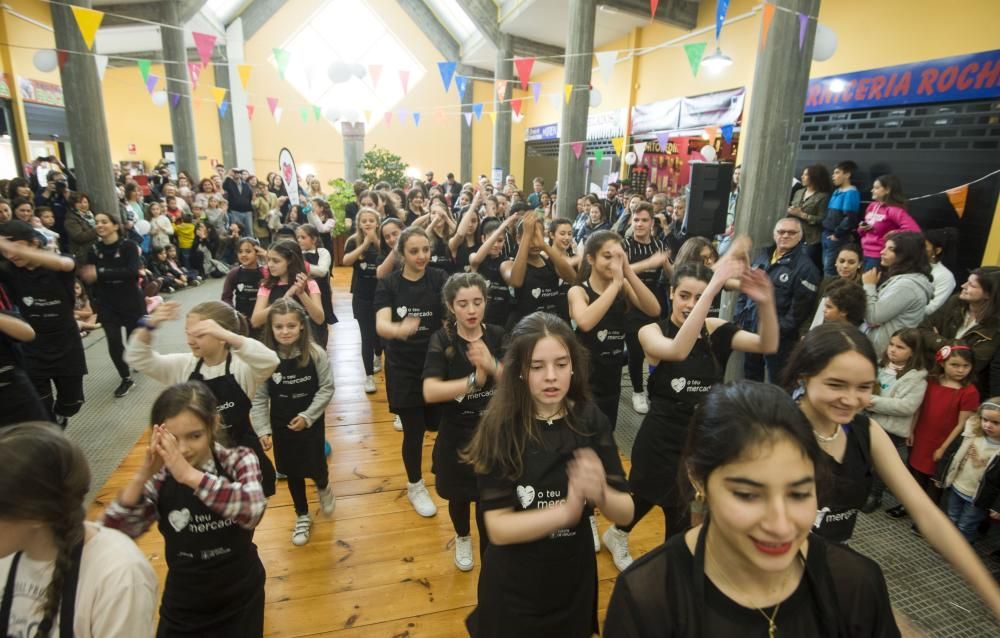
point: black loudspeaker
(708, 200)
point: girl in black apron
(362, 255)
(833, 372)
(689, 353)
(749, 446)
(535, 279)
(440, 229)
(289, 409)
(320, 262)
(407, 312)
(241, 285)
(41, 283)
(229, 363)
(207, 505)
(465, 242)
(460, 372)
(560, 237)
(486, 261)
(61, 576)
(544, 456)
(287, 277)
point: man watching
(240, 197)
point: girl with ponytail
(58, 574)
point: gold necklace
(772, 628)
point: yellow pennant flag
(88, 20)
(219, 93)
(568, 90)
(493, 116)
(244, 71)
(618, 143)
(368, 116)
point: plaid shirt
(241, 500)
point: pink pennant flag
(205, 43)
(468, 118)
(388, 117)
(194, 72)
(501, 89)
(272, 103)
(175, 98)
(577, 149)
(536, 91)
(524, 66)
(249, 111)
(404, 79)
(374, 72)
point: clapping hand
(169, 450)
(166, 311)
(756, 285)
(481, 357)
(586, 476)
(407, 328)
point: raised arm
(36, 256)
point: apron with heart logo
(538, 293)
(329, 318)
(291, 389)
(246, 284)
(606, 344)
(675, 388)
(498, 294)
(363, 279)
(215, 580)
(234, 411)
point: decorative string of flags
(958, 195)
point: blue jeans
(755, 365)
(871, 262)
(964, 514)
(244, 219)
(831, 248)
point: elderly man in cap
(429, 179)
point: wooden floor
(376, 569)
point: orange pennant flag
(618, 143)
(568, 90)
(957, 198)
(713, 132)
(244, 71)
(219, 93)
(88, 20)
(766, 24)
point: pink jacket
(883, 219)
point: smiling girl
(287, 277)
(362, 255)
(486, 261)
(319, 260)
(240, 287)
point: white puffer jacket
(897, 410)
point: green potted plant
(380, 165)
(341, 194)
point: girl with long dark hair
(287, 277)
(886, 213)
(320, 262)
(899, 294)
(362, 255)
(535, 278)
(487, 260)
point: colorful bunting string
(281, 59)
(695, 51)
(88, 21)
(205, 43)
(447, 70)
(524, 66)
(244, 71)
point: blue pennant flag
(477, 108)
(721, 7)
(447, 70)
(727, 133)
(461, 83)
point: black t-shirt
(441, 255)
(363, 272)
(539, 292)
(637, 251)
(446, 360)
(606, 341)
(498, 296)
(117, 287)
(405, 298)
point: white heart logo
(28, 300)
(602, 335)
(525, 494)
(362, 265)
(678, 384)
(401, 311)
(179, 519)
(535, 292)
(276, 377)
(239, 287)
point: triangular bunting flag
(244, 71)
(640, 150)
(803, 25)
(447, 70)
(88, 20)
(367, 115)
(218, 94)
(468, 118)
(652, 8)
(205, 43)
(374, 72)
(536, 91)
(277, 114)
(249, 111)
(957, 197)
(713, 132)
(556, 99)
(62, 56)
(501, 89)
(568, 90)
(175, 98)
(272, 103)
(606, 65)
(151, 81)
(194, 72)
(304, 114)
(661, 140)
(618, 143)
(388, 118)
(461, 83)
(721, 7)
(439, 115)
(404, 80)
(493, 116)
(515, 106)
(477, 108)
(281, 59)
(694, 52)
(577, 149)
(599, 155)
(416, 118)
(102, 65)
(223, 108)
(727, 133)
(317, 113)
(524, 66)
(401, 115)
(765, 25)
(143, 68)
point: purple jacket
(883, 219)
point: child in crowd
(44, 223)
(191, 275)
(86, 318)
(240, 288)
(288, 410)
(160, 228)
(184, 234)
(844, 300)
(173, 211)
(972, 479)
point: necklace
(772, 628)
(549, 419)
(828, 439)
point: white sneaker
(377, 363)
(596, 532)
(397, 424)
(327, 501)
(639, 402)
(463, 553)
(300, 535)
(617, 543)
(369, 384)
(420, 498)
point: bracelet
(145, 322)
(471, 382)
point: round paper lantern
(358, 70)
(142, 227)
(160, 98)
(46, 60)
(339, 72)
(631, 158)
(708, 152)
(333, 114)
(826, 43)
(595, 98)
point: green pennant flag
(317, 112)
(281, 58)
(144, 69)
(695, 52)
(599, 156)
(304, 113)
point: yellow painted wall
(24, 38)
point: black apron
(234, 411)
(67, 609)
(291, 388)
(325, 294)
(215, 580)
(546, 587)
(606, 344)
(246, 285)
(498, 293)
(539, 292)
(852, 480)
(319, 330)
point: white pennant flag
(277, 114)
(640, 149)
(606, 65)
(556, 99)
(102, 65)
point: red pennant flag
(62, 56)
(515, 105)
(524, 66)
(249, 111)
(404, 79)
(766, 24)
(653, 4)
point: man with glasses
(795, 280)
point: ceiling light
(717, 61)
(837, 85)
